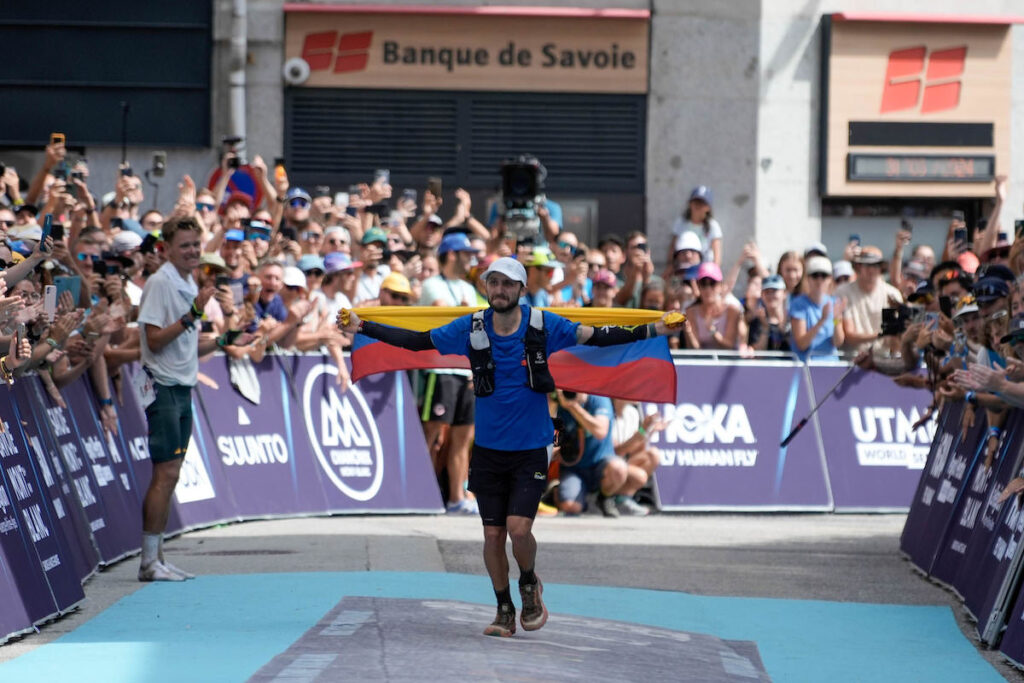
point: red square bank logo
(928, 82)
(348, 52)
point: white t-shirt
(624, 426)
(714, 233)
(865, 310)
(333, 305)
(438, 290)
(368, 286)
(165, 299)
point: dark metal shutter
(75, 62)
(589, 143)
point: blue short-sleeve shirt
(514, 417)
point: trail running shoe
(504, 623)
(157, 571)
(534, 614)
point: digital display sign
(921, 167)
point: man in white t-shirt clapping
(169, 311)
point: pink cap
(709, 269)
(605, 277)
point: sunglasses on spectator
(315, 272)
(312, 235)
(642, 246)
(90, 257)
(819, 276)
(7, 224)
(706, 282)
(298, 203)
(404, 298)
(842, 279)
(1002, 252)
(204, 206)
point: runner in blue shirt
(514, 431)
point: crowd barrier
(957, 532)
(70, 493)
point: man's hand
(348, 321)
(204, 296)
(108, 418)
(565, 402)
(654, 423)
(1001, 188)
(903, 238)
(259, 168)
(670, 322)
(11, 184)
(17, 354)
(55, 154)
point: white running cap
(508, 267)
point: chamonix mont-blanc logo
(344, 434)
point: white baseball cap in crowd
(293, 277)
(688, 240)
(509, 267)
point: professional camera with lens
(887, 351)
(522, 191)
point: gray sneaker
(630, 508)
(156, 571)
(177, 570)
(606, 504)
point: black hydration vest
(482, 363)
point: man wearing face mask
(448, 399)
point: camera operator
(588, 419)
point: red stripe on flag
(646, 379)
(380, 357)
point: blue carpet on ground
(224, 628)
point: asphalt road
(846, 558)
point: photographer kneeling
(589, 463)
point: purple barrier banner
(367, 443)
(70, 519)
(952, 466)
(113, 482)
(27, 531)
(721, 446)
(14, 618)
(253, 448)
(947, 436)
(873, 454)
(77, 464)
(978, 495)
(985, 572)
(1013, 638)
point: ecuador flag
(639, 371)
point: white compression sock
(150, 548)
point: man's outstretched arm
(610, 335)
(396, 336)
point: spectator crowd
(286, 264)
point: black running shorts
(508, 482)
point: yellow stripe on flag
(423, 318)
